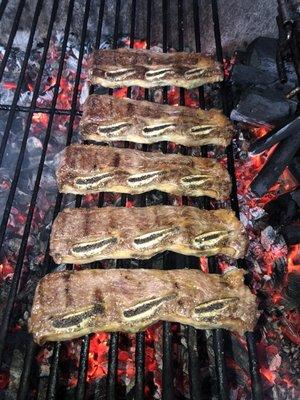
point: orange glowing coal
(4, 380)
(40, 118)
(98, 356)
(97, 365)
(64, 99)
(9, 85)
(138, 44)
(261, 131)
(269, 375)
(294, 259)
(6, 270)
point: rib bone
(152, 239)
(193, 181)
(91, 248)
(144, 178)
(94, 181)
(114, 129)
(209, 239)
(146, 309)
(158, 74)
(201, 130)
(119, 74)
(214, 307)
(156, 130)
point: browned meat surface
(85, 235)
(107, 118)
(90, 169)
(146, 68)
(74, 303)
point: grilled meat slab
(89, 169)
(146, 68)
(86, 235)
(107, 119)
(71, 304)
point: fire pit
(43, 86)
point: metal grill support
(169, 392)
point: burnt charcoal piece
(263, 107)
(276, 163)
(294, 166)
(293, 289)
(284, 209)
(262, 54)
(275, 136)
(291, 233)
(246, 75)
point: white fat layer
(101, 245)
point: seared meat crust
(146, 68)
(84, 235)
(89, 169)
(71, 304)
(108, 118)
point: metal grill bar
(253, 362)
(83, 363)
(139, 387)
(21, 255)
(36, 109)
(20, 80)
(167, 371)
(12, 33)
(218, 342)
(51, 389)
(35, 94)
(2, 7)
(80, 388)
(190, 262)
(112, 371)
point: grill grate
(73, 113)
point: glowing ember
(261, 131)
(40, 118)
(10, 85)
(97, 365)
(269, 375)
(270, 263)
(294, 259)
(6, 270)
(138, 44)
(4, 380)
